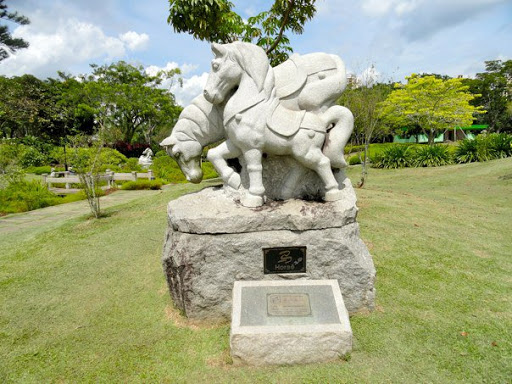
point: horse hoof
(234, 181)
(252, 201)
(333, 195)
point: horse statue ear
(218, 50)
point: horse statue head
(185, 150)
(199, 124)
(232, 61)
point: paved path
(57, 213)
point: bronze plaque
(288, 304)
(284, 260)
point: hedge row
(482, 148)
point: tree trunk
(431, 137)
(364, 168)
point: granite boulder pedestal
(213, 241)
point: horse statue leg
(313, 158)
(218, 156)
(255, 196)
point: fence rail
(67, 178)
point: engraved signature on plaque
(288, 304)
(284, 260)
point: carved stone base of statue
(212, 241)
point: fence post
(109, 176)
(134, 175)
(45, 175)
(150, 174)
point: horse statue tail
(341, 123)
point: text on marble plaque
(288, 304)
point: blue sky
(398, 37)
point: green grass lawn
(88, 302)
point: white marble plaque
(287, 322)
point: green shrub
(39, 170)
(467, 151)
(167, 169)
(142, 184)
(353, 148)
(24, 196)
(43, 169)
(500, 145)
(161, 153)
(109, 158)
(484, 147)
(431, 156)
(27, 152)
(131, 164)
(32, 157)
(355, 159)
(396, 156)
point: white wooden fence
(68, 178)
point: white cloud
(71, 42)
(376, 7)
(187, 68)
(152, 70)
(192, 87)
(135, 41)
(421, 19)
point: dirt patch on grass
(180, 321)
(222, 360)
(481, 254)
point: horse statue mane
(252, 59)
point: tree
(215, 21)
(362, 99)
(21, 101)
(128, 102)
(495, 87)
(86, 163)
(430, 103)
(8, 44)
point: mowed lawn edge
(88, 302)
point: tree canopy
(495, 87)
(215, 21)
(128, 102)
(124, 100)
(430, 103)
(9, 44)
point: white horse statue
(307, 83)
(257, 121)
(146, 159)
